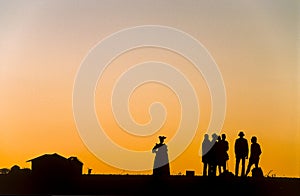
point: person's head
(223, 136)
(206, 136)
(162, 138)
(254, 139)
(241, 134)
(214, 136)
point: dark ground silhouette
(60, 181)
(23, 184)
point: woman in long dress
(161, 162)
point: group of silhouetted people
(215, 154)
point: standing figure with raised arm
(255, 152)
(241, 150)
(161, 162)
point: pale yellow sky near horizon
(254, 43)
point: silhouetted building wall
(55, 166)
(75, 165)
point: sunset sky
(255, 44)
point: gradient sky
(255, 44)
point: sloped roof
(54, 155)
(75, 159)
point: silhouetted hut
(17, 171)
(53, 166)
(4, 171)
(75, 165)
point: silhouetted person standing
(218, 154)
(241, 153)
(206, 145)
(223, 156)
(212, 156)
(255, 152)
(161, 161)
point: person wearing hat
(241, 153)
(161, 161)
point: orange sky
(255, 45)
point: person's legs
(205, 169)
(213, 168)
(256, 163)
(220, 169)
(237, 162)
(223, 167)
(243, 167)
(249, 167)
(209, 169)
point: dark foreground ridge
(96, 184)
